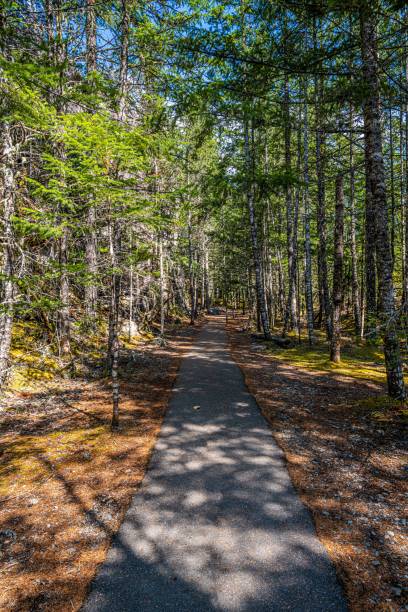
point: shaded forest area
(162, 159)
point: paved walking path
(217, 524)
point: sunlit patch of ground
(358, 361)
(345, 444)
(65, 478)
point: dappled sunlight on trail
(217, 524)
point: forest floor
(345, 451)
(66, 480)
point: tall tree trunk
(113, 343)
(308, 246)
(191, 271)
(59, 59)
(375, 164)
(90, 31)
(405, 207)
(290, 319)
(115, 242)
(64, 312)
(124, 50)
(162, 283)
(392, 185)
(337, 271)
(131, 289)
(354, 258)
(8, 287)
(206, 287)
(370, 259)
(321, 203)
(91, 258)
(250, 197)
(91, 290)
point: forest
(163, 163)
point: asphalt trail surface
(217, 524)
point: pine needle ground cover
(345, 447)
(66, 480)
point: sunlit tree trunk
(376, 172)
(8, 286)
(91, 259)
(114, 306)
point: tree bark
(124, 50)
(206, 288)
(355, 289)
(308, 246)
(290, 319)
(8, 286)
(375, 166)
(337, 271)
(91, 258)
(405, 207)
(90, 31)
(250, 197)
(370, 259)
(113, 342)
(191, 271)
(392, 186)
(64, 311)
(321, 203)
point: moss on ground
(28, 458)
(357, 361)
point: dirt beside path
(66, 481)
(217, 525)
(350, 469)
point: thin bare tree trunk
(91, 259)
(354, 258)
(321, 203)
(207, 302)
(8, 287)
(405, 208)
(64, 312)
(402, 207)
(250, 197)
(392, 185)
(337, 271)
(90, 31)
(191, 271)
(308, 246)
(124, 50)
(290, 318)
(113, 344)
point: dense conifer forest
(165, 161)
(157, 158)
